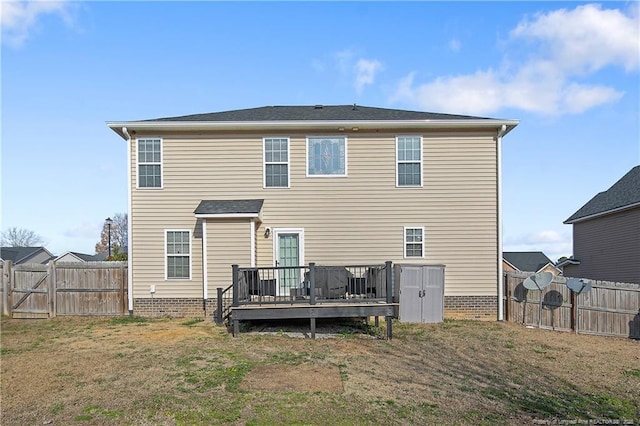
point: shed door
(421, 293)
(433, 294)
(410, 291)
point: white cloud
(352, 67)
(366, 70)
(563, 45)
(19, 19)
(586, 38)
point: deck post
(236, 295)
(219, 306)
(389, 272)
(313, 327)
(312, 283)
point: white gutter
(205, 267)
(499, 136)
(604, 213)
(129, 224)
(361, 125)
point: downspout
(501, 132)
(205, 265)
(252, 239)
(125, 131)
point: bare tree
(119, 234)
(19, 237)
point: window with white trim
(327, 156)
(408, 161)
(150, 163)
(276, 162)
(413, 242)
(178, 254)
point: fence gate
(29, 291)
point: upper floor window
(178, 254)
(408, 161)
(150, 163)
(326, 156)
(413, 242)
(276, 162)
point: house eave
(329, 125)
(229, 216)
(604, 213)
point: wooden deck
(308, 292)
(304, 310)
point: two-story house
(606, 234)
(334, 185)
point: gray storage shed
(420, 292)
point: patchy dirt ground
(131, 371)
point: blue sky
(569, 71)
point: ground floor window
(413, 242)
(178, 254)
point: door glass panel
(289, 255)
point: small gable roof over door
(229, 208)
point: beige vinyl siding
(228, 242)
(355, 219)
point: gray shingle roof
(528, 261)
(19, 254)
(229, 207)
(318, 112)
(624, 193)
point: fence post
(123, 286)
(219, 306)
(389, 295)
(51, 287)
(234, 280)
(506, 297)
(6, 288)
(312, 283)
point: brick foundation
(174, 307)
(456, 307)
(471, 307)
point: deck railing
(312, 284)
(224, 303)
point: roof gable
(528, 261)
(625, 193)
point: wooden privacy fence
(609, 309)
(42, 291)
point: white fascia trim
(593, 216)
(510, 264)
(362, 125)
(205, 281)
(229, 215)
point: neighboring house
(18, 255)
(606, 234)
(334, 185)
(528, 261)
(72, 256)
